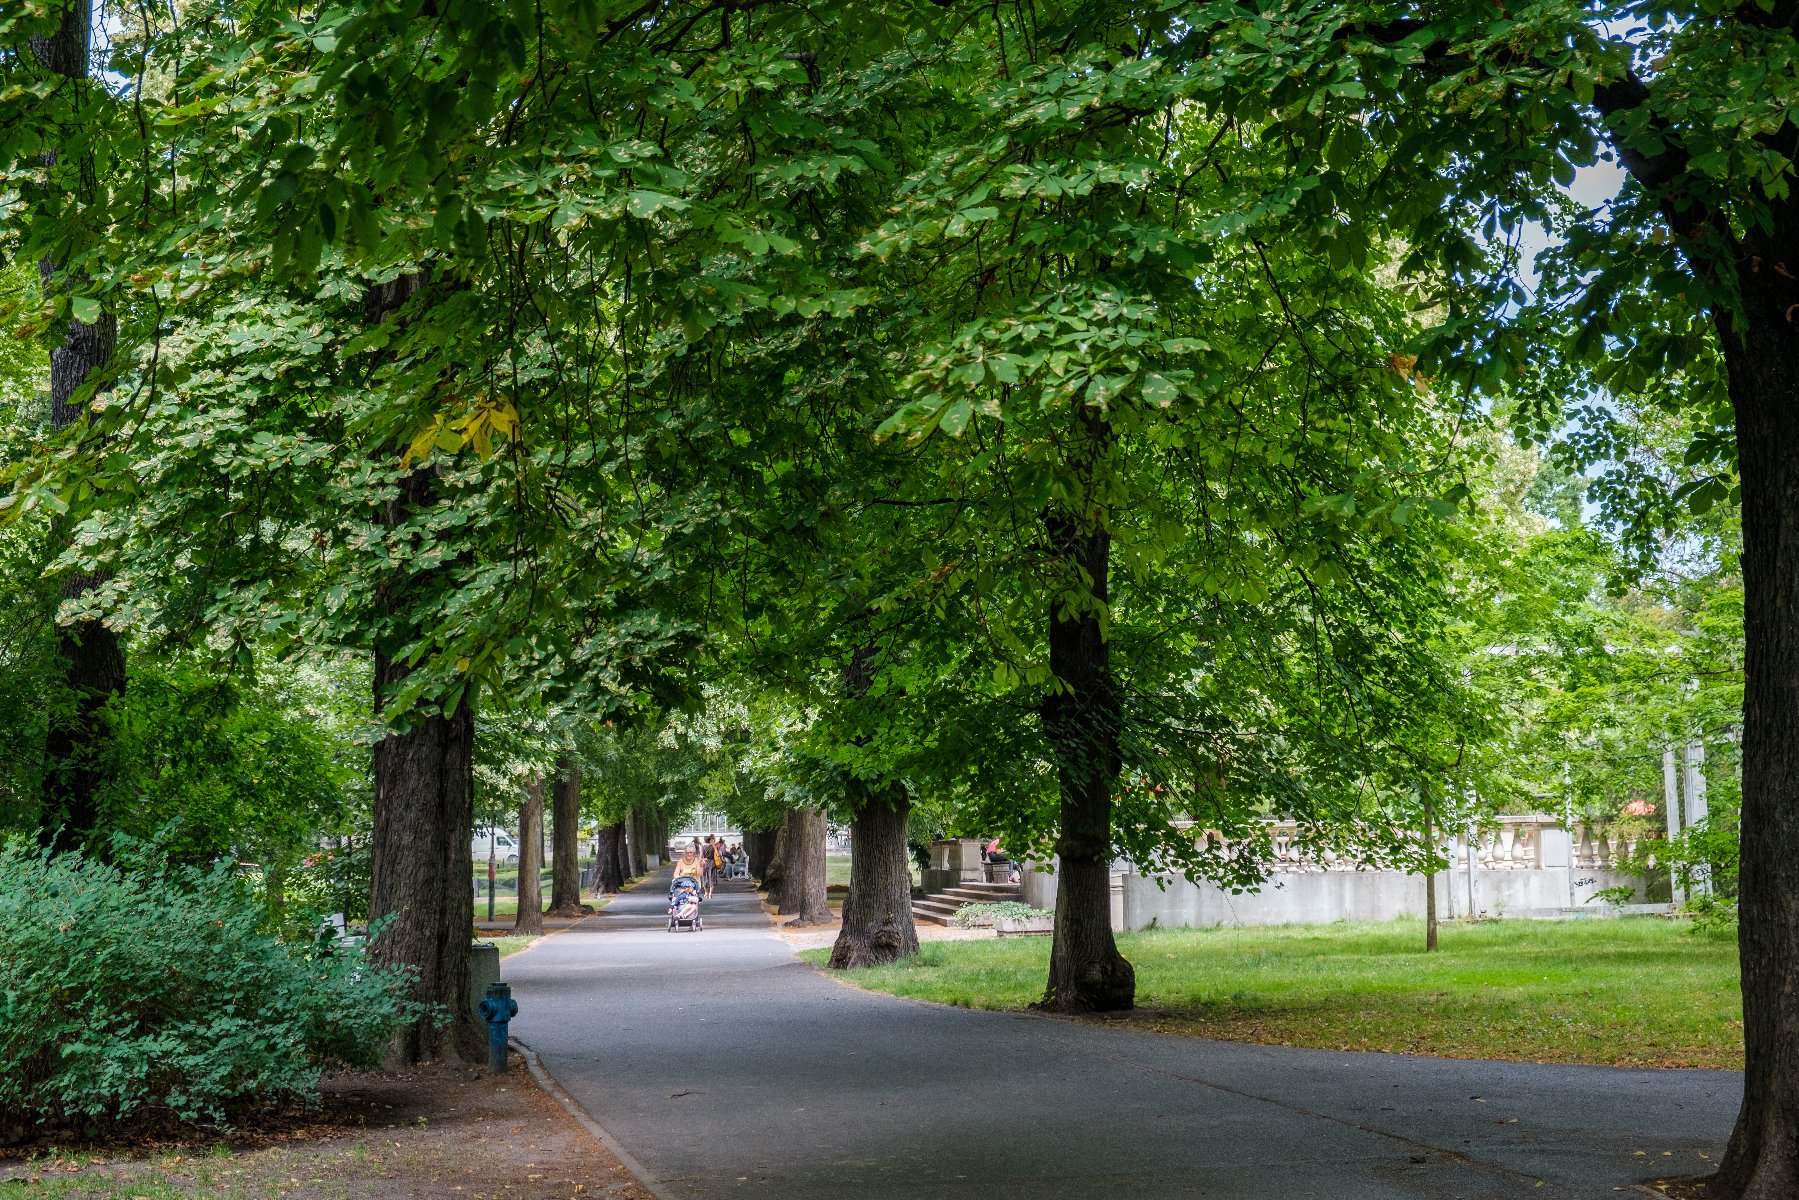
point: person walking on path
(689, 865)
(708, 867)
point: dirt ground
(813, 937)
(438, 1132)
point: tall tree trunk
(424, 801)
(758, 849)
(1762, 362)
(1081, 721)
(609, 862)
(803, 886)
(89, 654)
(565, 867)
(623, 851)
(1430, 877)
(633, 843)
(776, 875)
(530, 861)
(877, 913)
(274, 884)
(424, 819)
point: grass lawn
(1635, 992)
(837, 869)
(503, 905)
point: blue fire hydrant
(499, 1008)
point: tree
(877, 913)
(530, 860)
(609, 864)
(89, 652)
(1679, 289)
(759, 846)
(802, 895)
(565, 883)
(774, 876)
(424, 775)
(1134, 410)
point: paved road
(728, 1067)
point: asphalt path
(725, 1066)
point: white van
(503, 845)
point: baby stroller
(684, 905)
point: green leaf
(955, 417)
(1159, 390)
(647, 204)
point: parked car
(504, 845)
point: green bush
(154, 993)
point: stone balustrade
(1530, 864)
(1512, 843)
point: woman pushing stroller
(684, 893)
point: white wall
(1324, 897)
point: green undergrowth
(971, 915)
(1638, 992)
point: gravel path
(727, 1067)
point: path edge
(560, 1095)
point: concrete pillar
(1693, 782)
(1671, 802)
(1038, 882)
(1473, 840)
(1449, 881)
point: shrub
(986, 914)
(154, 993)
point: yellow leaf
(504, 419)
(424, 443)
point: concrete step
(940, 907)
(936, 907)
(991, 893)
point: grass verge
(1634, 992)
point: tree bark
(609, 863)
(633, 844)
(877, 914)
(565, 866)
(424, 818)
(803, 885)
(90, 656)
(1081, 721)
(1430, 879)
(759, 848)
(776, 874)
(530, 861)
(1762, 362)
(424, 804)
(623, 851)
